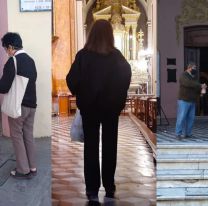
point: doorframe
(194, 45)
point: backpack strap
(15, 64)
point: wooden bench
(146, 111)
(152, 114)
(72, 104)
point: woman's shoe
(33, 172)
(92, 196)
(18, 175)
(110, 194)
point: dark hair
(12, 39)
(100, 38)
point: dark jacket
(100, 82)
(189, 88)
(25, 67)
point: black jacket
(100, 82)
(190, 88)
(25, 67)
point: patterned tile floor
(200, 131)
(135, 174)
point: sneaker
(179, 137)
(190, 136)
(18, 175)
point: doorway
(196, 50)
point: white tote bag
(76, 132)
(12, 101)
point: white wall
(4, 125)
(169, 48)
(152, 41)
(35, 30)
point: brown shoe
(18, 175)
(33, 173)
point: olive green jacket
(189, 89)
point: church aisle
(135, 174)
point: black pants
(91, 126)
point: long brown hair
(100, 38)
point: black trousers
(91, 127)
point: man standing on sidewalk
(189, 91)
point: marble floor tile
(135, 174)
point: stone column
(150, 33)
(127, 54)
(79, 25)
(134, 48)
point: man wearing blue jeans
(189, 91)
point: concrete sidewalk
(34, 192)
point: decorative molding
(193, 12)
(149, 23)
(105, 3)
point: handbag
(12, 101)
(76, 132)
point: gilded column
(85, 34)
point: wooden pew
(152, 114)
(146, 111)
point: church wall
(64, 47)
(169, 48)
(35, 30)
(3, 30)
(172, 47)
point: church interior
(134, 27)
(134, 34)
